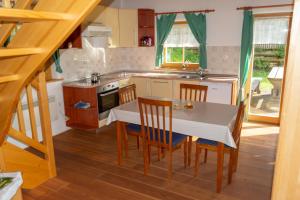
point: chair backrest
(153, 115)
(193, 92)
(127, 94)
(239, 123)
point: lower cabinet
(218, 92)
(81, 118)
(162, 88)
(142, 86)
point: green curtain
(164, 24)
(246, 50)
(56, 59)
(197, 24)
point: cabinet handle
(160, 82)
(214, 88)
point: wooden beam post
(46, 123)
(286, 184)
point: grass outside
(265, 84)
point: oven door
(106, 101)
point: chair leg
(138, 142)
(145, 151)
(198, 152)
(170, 169)
(220, 152)
(236, 157)
(149, 154)
(125, 139)
(185, 153)
(190, 150)
(158, 153)
(231, 166)
(205, 156)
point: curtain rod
(269, 6)
(182, 12)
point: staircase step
(34, 169)
(6, 52)
(9, 78)
(20, 15)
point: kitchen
(127, 54)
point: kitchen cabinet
(74, 40)
(128, 27)
(142, 86)
(218, 92)
(146, 24)
(123, 22)
(81, 118)
(162, 88)
(108, 17)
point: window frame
(166, 64)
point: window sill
(171, 66)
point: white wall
(223, 26)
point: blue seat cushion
(177, 138)
(208, 142)
(134, 127)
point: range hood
(97, 35)
(97, 30)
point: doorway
(270, 44)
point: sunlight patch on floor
(255, 129)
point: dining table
(204, 120)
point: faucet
(201, 72)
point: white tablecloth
(206, 120)
(9, 191)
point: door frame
(260, 118)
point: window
(181, 47)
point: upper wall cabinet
(74, 40)
(124, 24)
(108, 17)
(128, 23)
(146, 23)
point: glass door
(270, 44)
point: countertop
(157, 74)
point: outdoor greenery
(264, 60)
(175, 54)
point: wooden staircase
(43, 29)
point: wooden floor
(87, 169)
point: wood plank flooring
(87, 169)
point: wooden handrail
(9, 78)
(267, 6)
(20, 15)
(182, 12)
(19, 52)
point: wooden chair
(154, 123)
(221, 149)
(126, 95)
(191, 92)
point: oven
(108, 98)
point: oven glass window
(109, 101)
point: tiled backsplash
(78, 63)
(223, 59)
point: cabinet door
(219, 92)
(142, 86)
(128, 23)
(161, 88)
(176, 87)
(108, 17)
